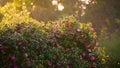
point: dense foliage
(78, 43)
(65, 43)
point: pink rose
(87, 45)
(19, 42)
(55, 31)
(92, 58)
(58, 36)
(83, 54)
(68, 66)
(51, 40)
(58, 64)
(49, 63)
(78, 30)
(13, 58)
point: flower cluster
(76, 40)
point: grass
(112, 45)
(112, 48)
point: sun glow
(86, 1)
(55, 2)
(60, 7)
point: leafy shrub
(27, 43)
(20, 38)
(78, 42)
(19, 46)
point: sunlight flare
(55, 2)
(60, 7)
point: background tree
(104, 13)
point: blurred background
(103, 14)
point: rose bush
(20, 46)
(21, 37)
(65, 43)
(78, 43)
